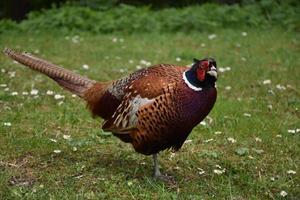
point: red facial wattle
(201, 71)
(201, 74)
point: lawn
(248, 147)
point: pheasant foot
(156, 172)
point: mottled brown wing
(124, 119)
(146, 126)
(152, 129)
(140, 93)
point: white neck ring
(190, 85)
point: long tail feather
(69, 80)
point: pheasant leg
(156, 171)
(157, 174)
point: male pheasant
(153, 108)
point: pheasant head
(203, 73)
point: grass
(105, 168)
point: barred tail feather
(69, 80)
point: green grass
(105, 168)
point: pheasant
(154, 108)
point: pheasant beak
(213, 72)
